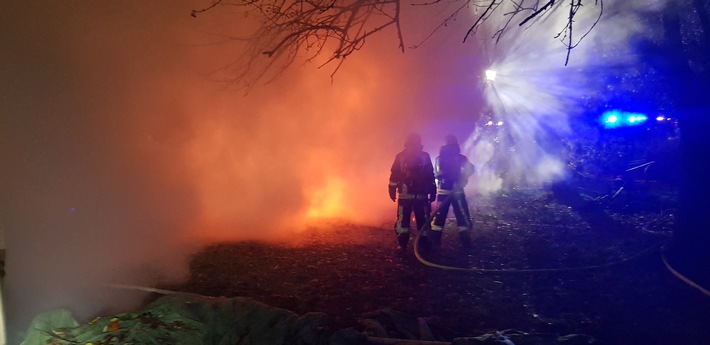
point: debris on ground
(189, 319)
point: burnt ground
(351, 270)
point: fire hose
(680, 276)
(427, 227)
(638, 254)
(650, 249)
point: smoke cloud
(121, 157)
(534, 98)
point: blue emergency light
(618, 118)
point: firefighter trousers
(405, 208)
(460, 206)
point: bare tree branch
(544, 8)
(335, 29)
(195, 12)
(491, 7)
(516, 9)
(399, 27)
(445, 22)
(572, 10)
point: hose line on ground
(680, 276)
(528, 270)
(662, 245)
(427, 227)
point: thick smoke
(120, 156)
(524, 132)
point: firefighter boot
(403, 239)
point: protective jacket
(412, 175)
(452, 170)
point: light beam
(491, 75)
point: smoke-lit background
(524, 133)
(121, 156)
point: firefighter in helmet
(452, 171)
(412, 177)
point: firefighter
(412, 177)
(452, 171)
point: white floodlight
(490, 75)
(500, 123)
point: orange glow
(134, 163)
(327, 202)
(286, 165)
(263, 168)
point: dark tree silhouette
(683, 56)
(335, 29)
